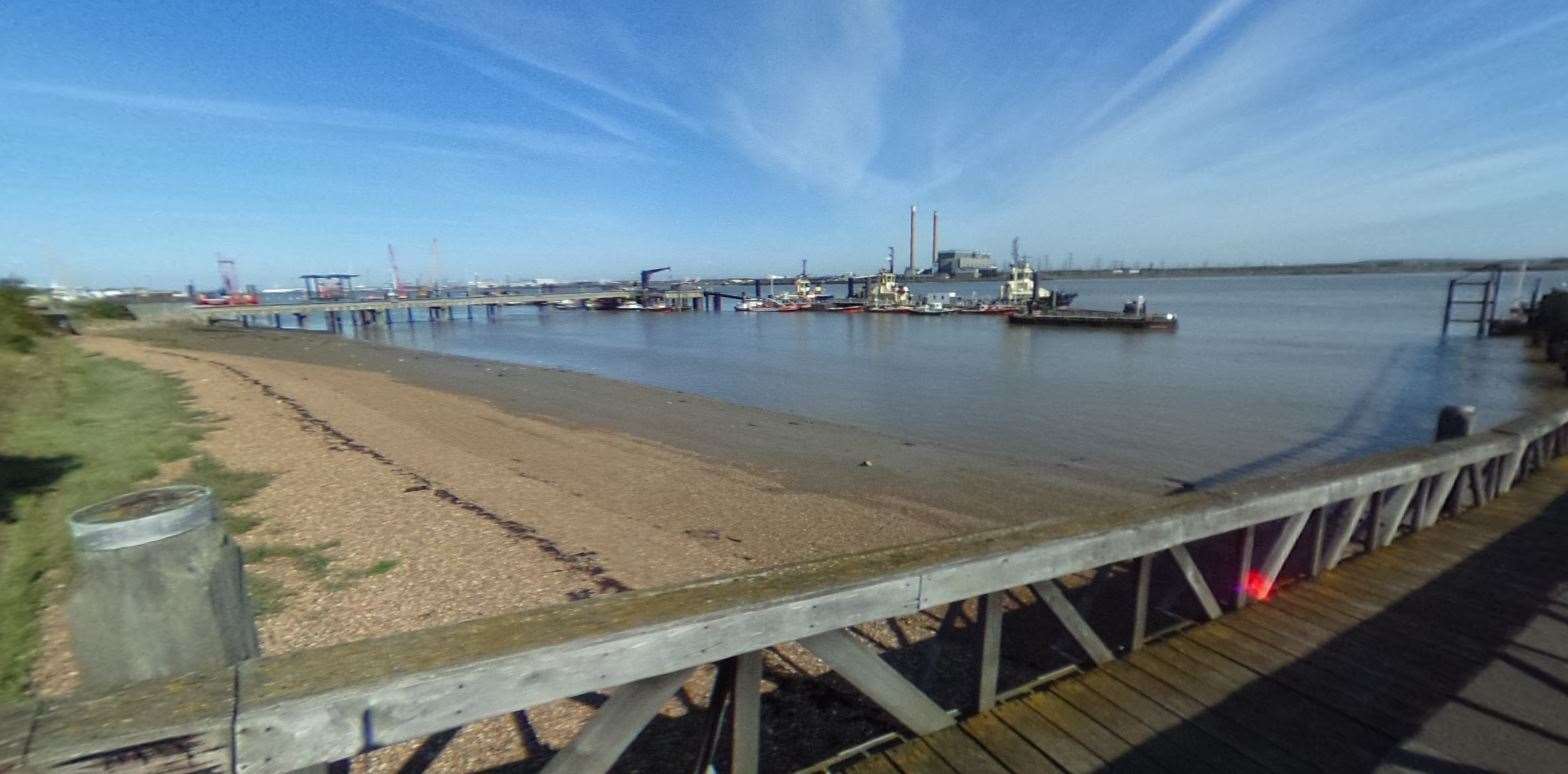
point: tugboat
(1019, 291)
(887, 294)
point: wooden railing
(281, 713)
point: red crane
(397, 279)
(230, 295)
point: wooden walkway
(1447, 651)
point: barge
(1095, 318)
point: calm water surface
(1265, 374)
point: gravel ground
(486, 510)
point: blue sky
(138, 139)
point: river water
(1266, 374)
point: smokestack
(933, 241)
(911, 240)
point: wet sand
(929, 484)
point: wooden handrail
(280, 713)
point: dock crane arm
(646, 273)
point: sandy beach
(489, 488)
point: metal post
(1455, 422)
(1448, 306)
(158, 590)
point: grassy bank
(75, 428)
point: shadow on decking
(1392, 672)
(808, 719)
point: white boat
(750, 305)
(628, 306)
(568, 304)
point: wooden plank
(1195, 581)
(746, 727)
(1051, 593)
(1086, 731)
(1412, 621)
(876, 764)
(917, 757)
(1384, 630)
(1403, 675)
(1305, 678)
(1007, 746)
(962, 753)
(865, 670)
(1067, 753)
(1163, 750)
(1239, 740)
(1194, 740)
(617, 723)
(180, 724)
(1307, 730)
(990, 609)
(16, 730)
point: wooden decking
(1446, 651)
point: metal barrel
(159, 588)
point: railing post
(990, 648)
(1319, 532)
(1244, 564)
(746, 728)
(1455, 422)
(1140, 608)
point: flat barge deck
(1091, 318)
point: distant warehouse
(971, 263)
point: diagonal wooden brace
(1051, 594)
(865, 670)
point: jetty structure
(1393, 611)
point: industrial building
(972, 263)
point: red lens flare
(1256, 586)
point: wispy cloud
(551, 43)
(519, 82)
(1200, 32)
(810, 100)
(1302, 126)
(518, 138)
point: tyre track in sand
(585, 563)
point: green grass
(267, 596)
(312, 560)
(232, 487)
(75, 429)
(381, 568)
(20, 328)
(102, 309)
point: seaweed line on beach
(584, 562)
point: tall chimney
(933, 241)
(911, 240)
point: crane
(230, 276)
(397, 279)
(646, 273)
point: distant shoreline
(1285, 270)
